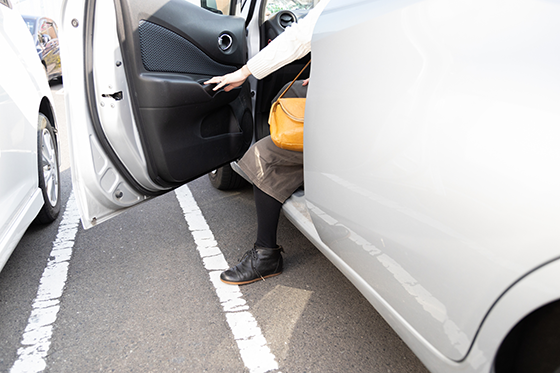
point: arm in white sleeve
(292, 44)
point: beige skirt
(277, 172)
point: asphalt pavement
(138, 296)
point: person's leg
(277, 172)
(265, 258)
(268, 213)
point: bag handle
(293, 81)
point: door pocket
(220, 122)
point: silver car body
(431, 163)
(431, 160)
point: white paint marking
(37, 335)
(251, 343)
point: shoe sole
(251, 281)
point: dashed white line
(252, 345)
(37, 335)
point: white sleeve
(292, 44)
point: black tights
(268, 213)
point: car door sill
(296, 210)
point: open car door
(140, 119)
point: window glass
(30, 26)
(51, 31)
(44, 35)
(216, 6)
(273, 6)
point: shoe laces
(254, 256)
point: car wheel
(225, 178)
(532, 345)
(49, 173)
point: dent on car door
(155, 124)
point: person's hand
(230, 81)
(305, 82)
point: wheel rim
(49, 166)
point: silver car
(431, 149)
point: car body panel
(13, 231)
(535, 290)
(20, 101)
(137, 84)
(449, 176)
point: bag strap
(287, 112)
(293, 81)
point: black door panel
(169, 49)
(155, 43)
(161, 90)
(197, 25)
(184, 140)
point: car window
(274, 6)
(47, 32)
(216, 6)
(50, 31)
(30, 25)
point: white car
(431, 149)
(29, 162)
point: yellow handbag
(286, 120)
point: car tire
(532, 345)
(49, 172)
(225, 178)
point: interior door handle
(225, 41)
(209, 88)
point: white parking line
(251, 343)
(37, 335)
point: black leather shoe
(257, 264)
